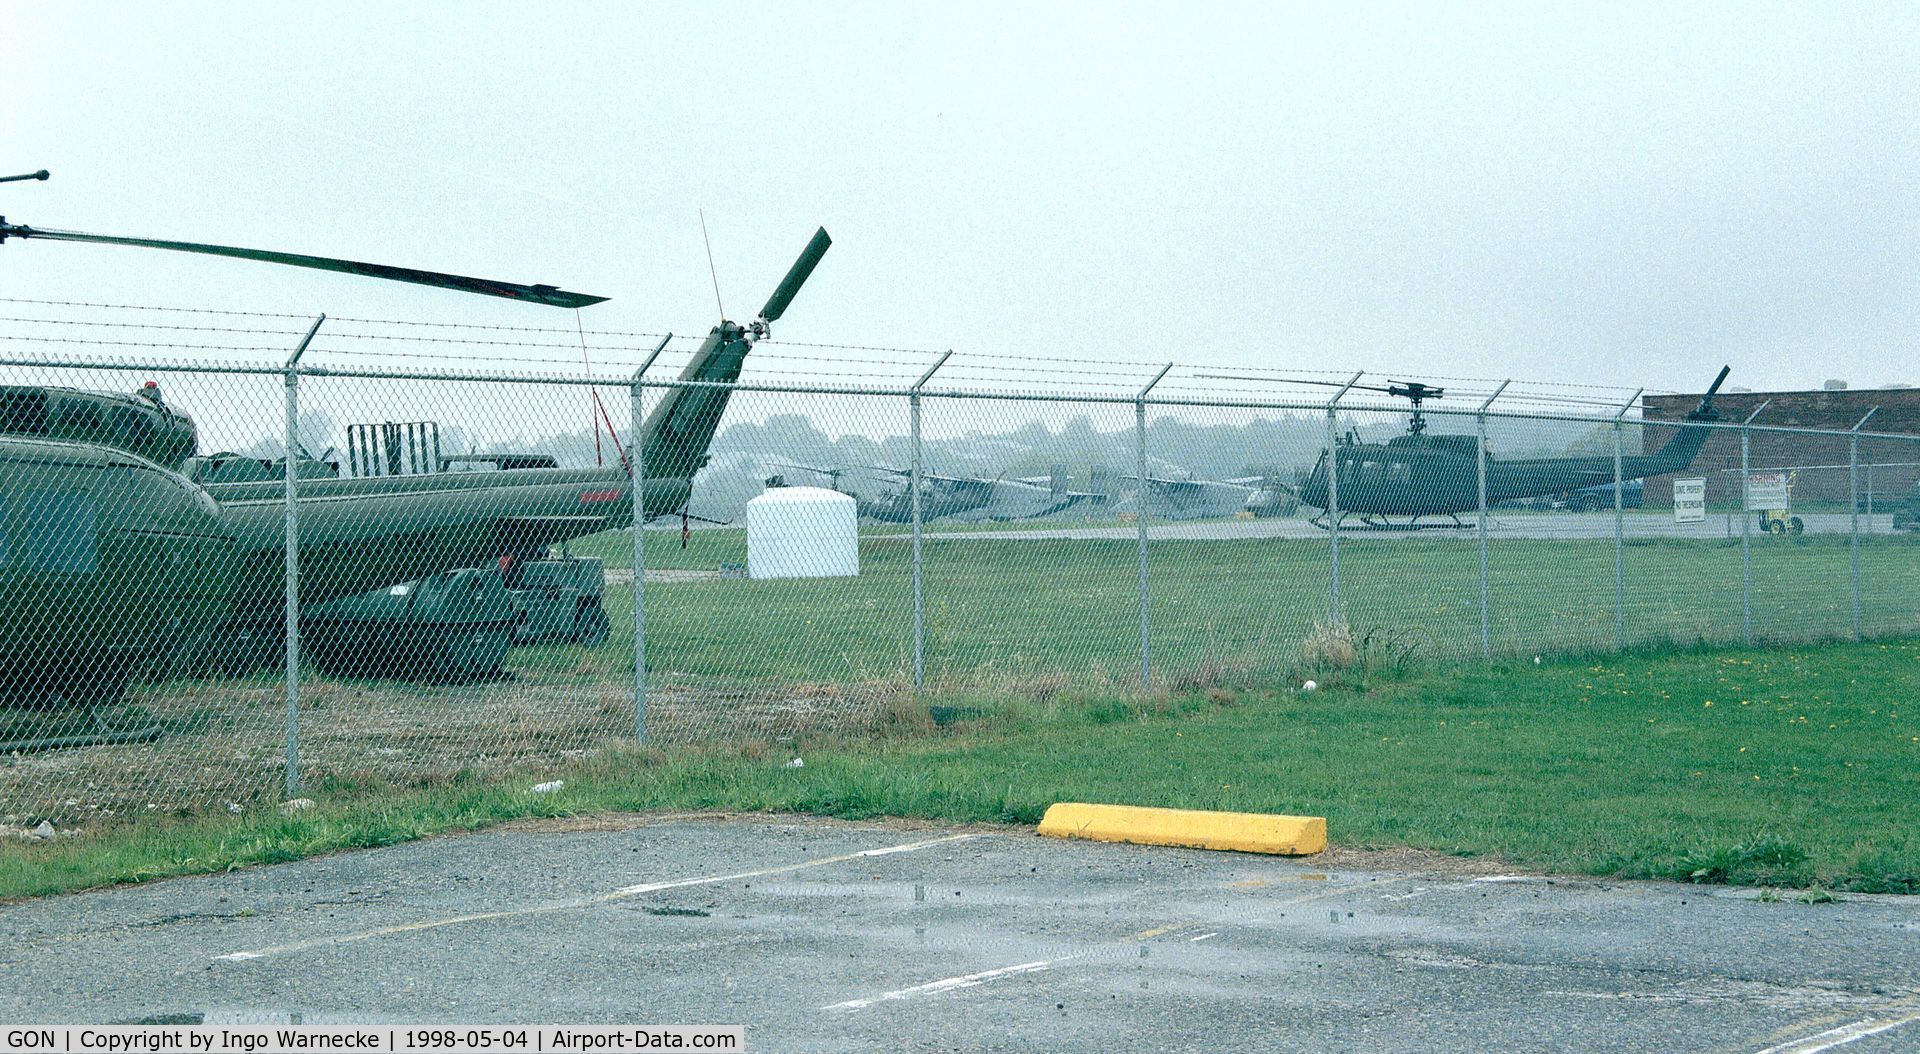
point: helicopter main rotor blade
(1292, 380)
(796, 276)
(535, 294)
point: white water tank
(802, 532)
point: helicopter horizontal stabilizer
(533, 294)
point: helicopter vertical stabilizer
(679, 431)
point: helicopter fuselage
(1438, 475)
(107, 560)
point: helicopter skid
(101, 732)
(1373, 522)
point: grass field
(738, 662)
(1000, 611)
(1788, 767)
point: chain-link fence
(457, 581)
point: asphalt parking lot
(827, 936)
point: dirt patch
(223, 744)
(1410, 861)
(623, 576)
(628, 821)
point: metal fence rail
(318, 627)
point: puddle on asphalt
(249, 1016)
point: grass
(1796, 767)
(999, 609)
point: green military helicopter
(1417, 475)
(966, 497)
(112, 560)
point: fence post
(1619, 546)
(1140, 519)
(1620, 532)
(1480, 469)
(1746, 523)
(291, 488)
(1853, 508)
(1746, 536)
(1333, 498)
(638, 476)
(913, 481)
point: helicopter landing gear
(54, 724)
(1381, 523)
(1369, 521)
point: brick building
(1819, 463)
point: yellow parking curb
(1245, 832)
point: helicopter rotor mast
(547, 295)
(1414, 392)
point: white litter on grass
(1536, 660)
(548, 787)
(1309, 686)
(296, 805)
(796, 763)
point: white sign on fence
(1689, 500)
(1766, 490)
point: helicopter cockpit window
(78, 419)
(136, 430)
(23, 411)
(1400, 474)
(57, 530)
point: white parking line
(946, 984)
(1090, 953)
(1844, 1034)
(582, 902)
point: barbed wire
(153, 325)
(978, 365)
(153, 307)
(146, 344)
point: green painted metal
(533, 294)
(452, 626)
(113, 563)
(1419, 474)
(110, 566)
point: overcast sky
(1599, 193)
